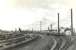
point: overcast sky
(27, 13)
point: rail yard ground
(49, 42)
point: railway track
(68, 43)
(61, 43)
(49, 43)
(57, 45)
(54, 45)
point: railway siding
(61, 43)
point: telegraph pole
(58, 24)
(71, 21)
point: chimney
(71, 22)
(58, 25)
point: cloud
(18, 13)
(38, 3)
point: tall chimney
(71, 21)
(58, 24)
